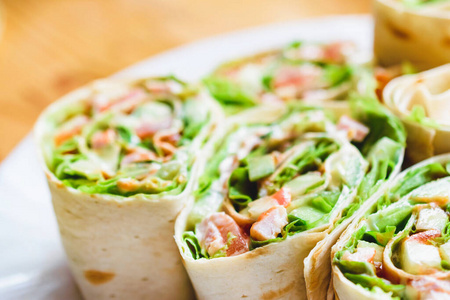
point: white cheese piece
(250, 75)
(432, 218)
(418, 258)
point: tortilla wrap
(274, 270)
(317, 270)
(420, 35)
(119, 246)
(305, 71)
(422, 102)
(408, 274)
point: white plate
(32, 262)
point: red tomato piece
(104, 138)
(219, 231)
(269, 224)
(283, 196)
(355, 130)
(70, 129)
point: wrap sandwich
(119, 157)
(307, 71)
(422, 101)
(385, 160)
(412, 30)
(277, 182)
(399, 248)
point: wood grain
(50, 47)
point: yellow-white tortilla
(420, 35)
(118, 247)
(431, 91)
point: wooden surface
(50, 47)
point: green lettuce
(418, 177)
(308, 160)
(336, 74)
(228, 92)
(371, 282)
(382, 122)
(418, 115)
(393, 215)
(242, 190)
(192, 242)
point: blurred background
(49, 47)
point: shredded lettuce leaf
(418, 115)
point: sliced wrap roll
(422, 101)
(276, 184)
(119, 157)
(399, 247)
(385, 159)
(412, 30)
(306, 71)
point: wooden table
(50, 47)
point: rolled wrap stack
(413, 31)
(278, 183)
(399, 248)
(119, 157)
(422, 101)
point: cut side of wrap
(414, 31)
(306, 71)
(275, 185)
(385, 157)
(119, 157)
(422, 101)
(399, 247)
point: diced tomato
(283, 196)
(138, 154)
(231, 72)
(166, 140)
(157, 86)
(305, 76)
(148, 129)
(366, 254)
(220, 231)
(124, 103)
(383, 76)
(335, 52)
(269, 224)
(104, 138)
(355, 130)
(70, 129)
(127, 184)
(424, 237)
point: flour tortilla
(321, 98)
(270, 272)
(274, 271)
(119, 247)
(420, 35)
(401, 93)
(317, 269)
